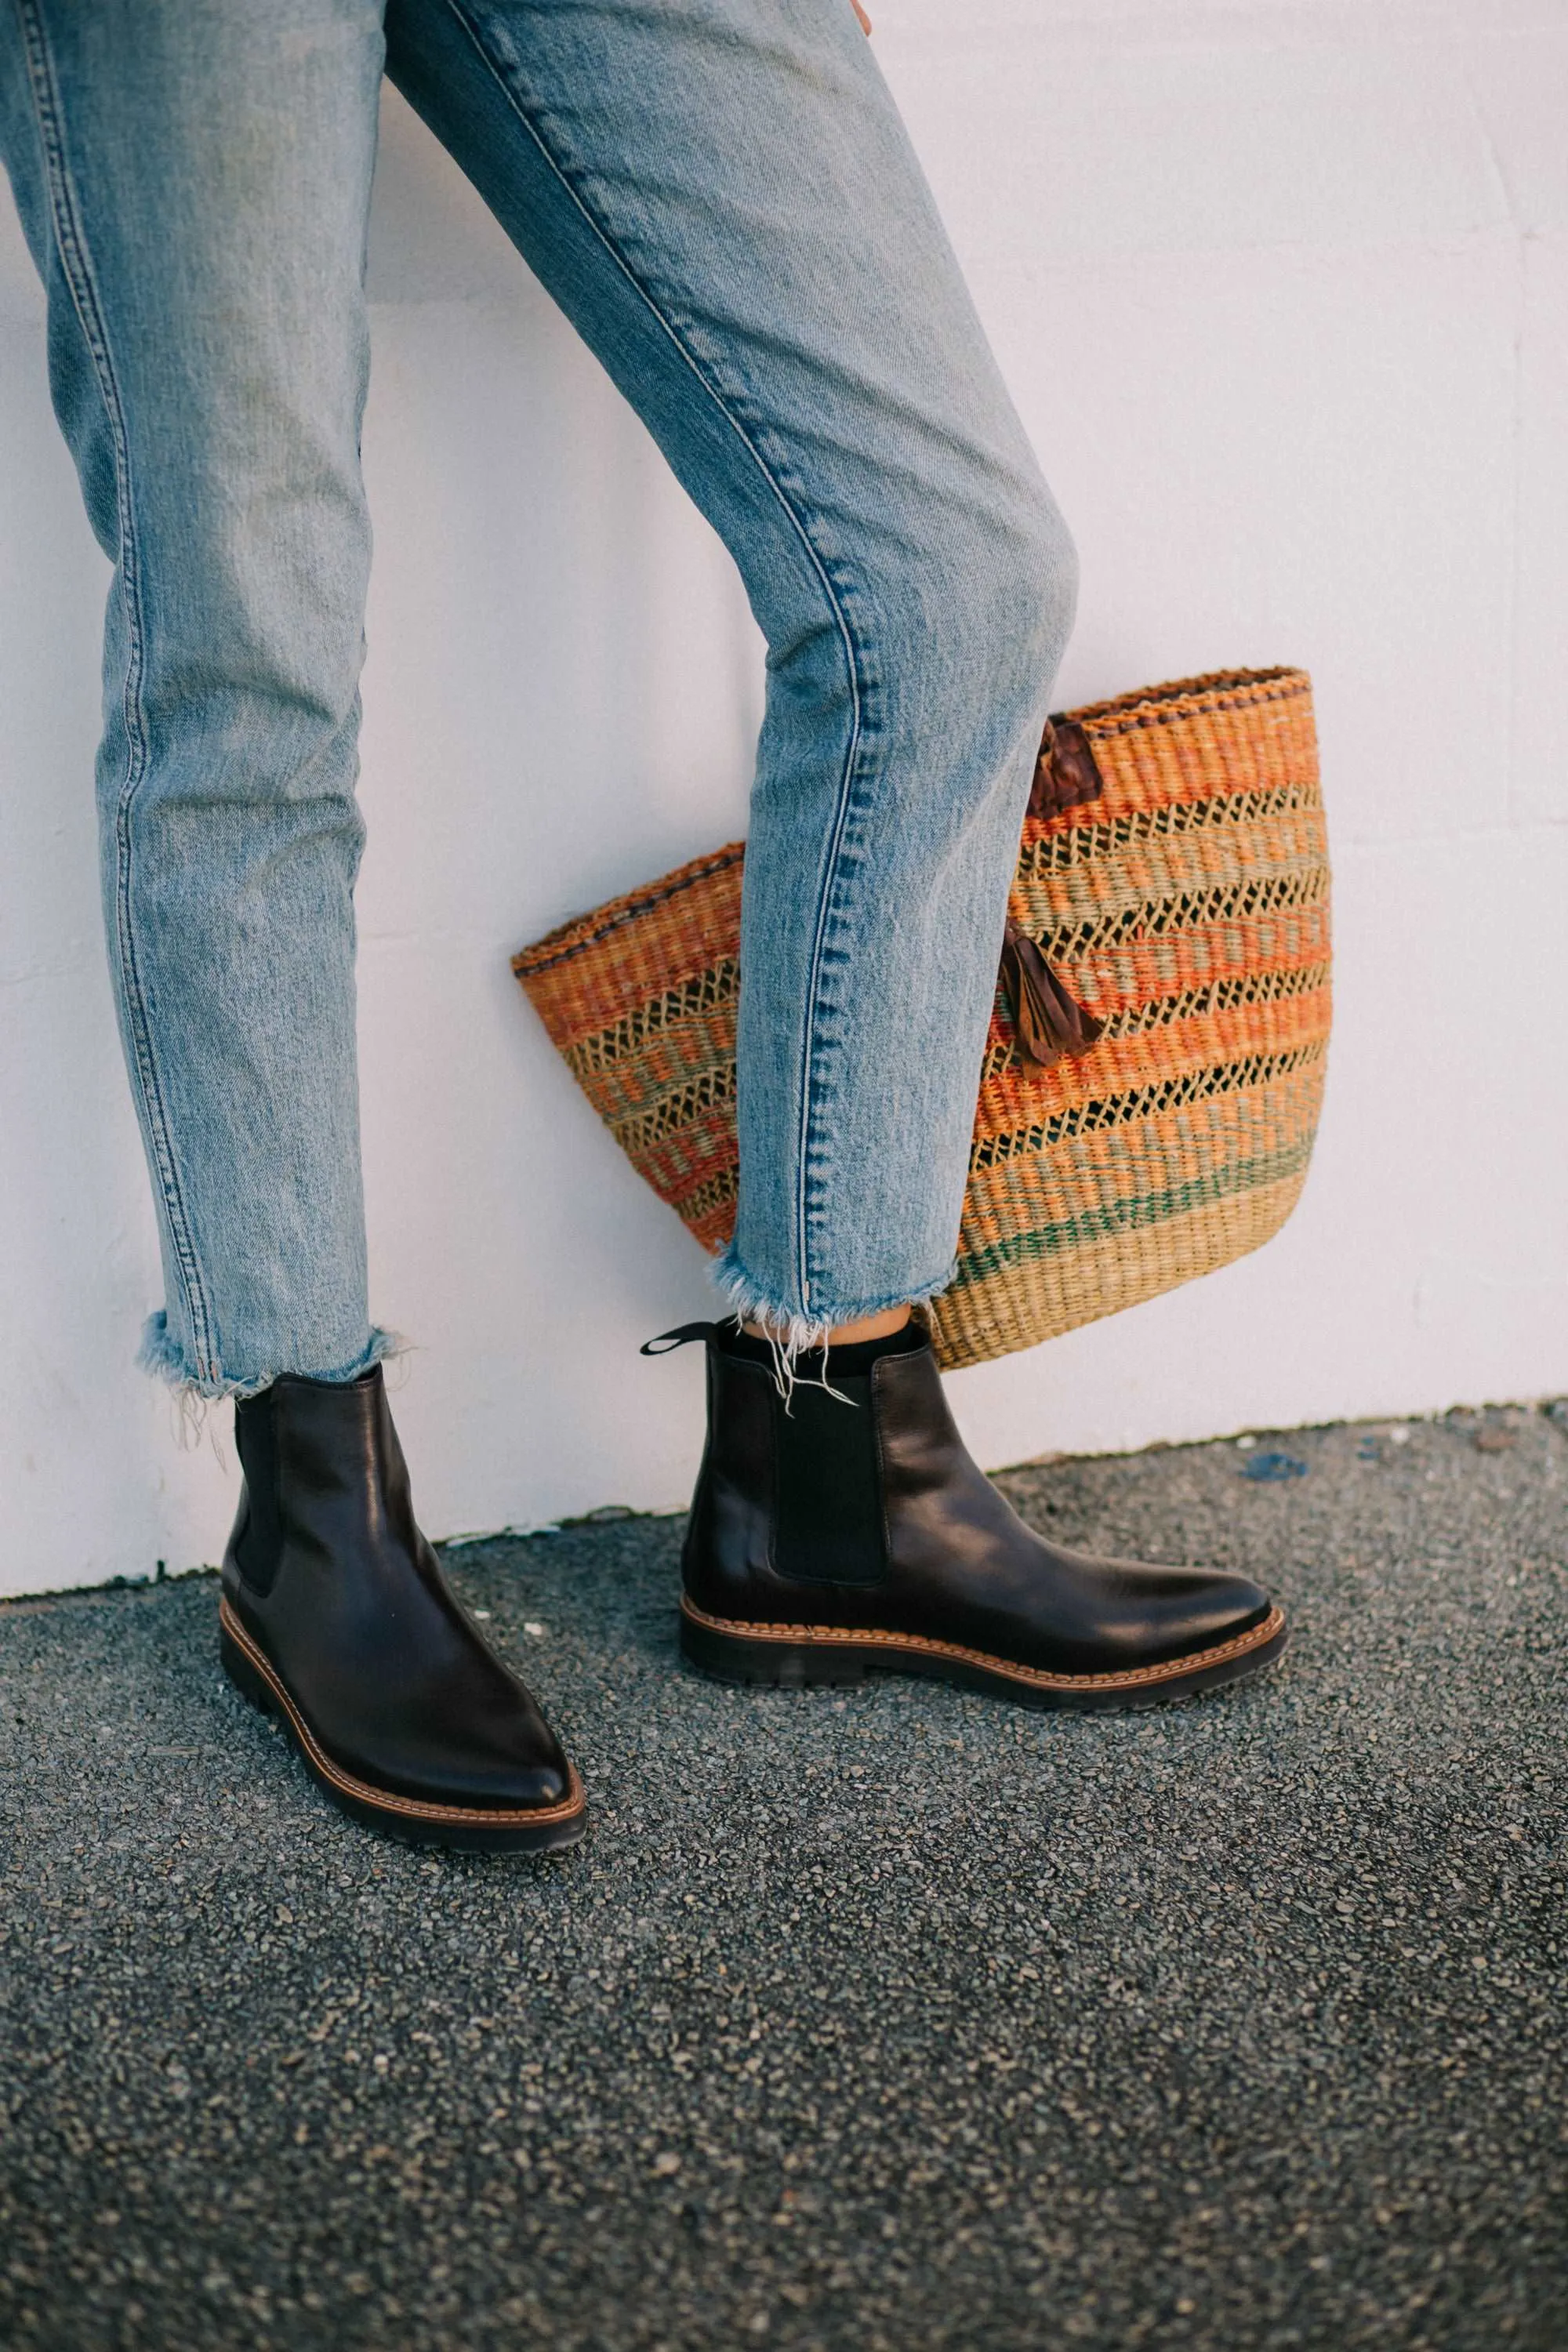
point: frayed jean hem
(162, 1355)
(796, 1335)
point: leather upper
(956, 1563)
(329, 1573)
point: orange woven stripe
(592, 971)
(1017, 1094)
(1130, 1160)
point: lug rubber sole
(463, 1828)
(798, 1657)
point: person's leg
(721, 195)
(194, 177)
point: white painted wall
(1282, 292)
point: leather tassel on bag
(1050, 1023)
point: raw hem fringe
(161, 1354)
(793, 1336)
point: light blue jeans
(721, 196)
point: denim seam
(797, 521)
(70, 244)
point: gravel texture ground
(892, 2020)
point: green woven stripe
(1129, 1215)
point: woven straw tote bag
(1151, 1084)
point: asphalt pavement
(868, 2021)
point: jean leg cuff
(797, 1334)
(162, 1355)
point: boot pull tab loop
(665, 1343)
(1050, 1021)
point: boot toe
(523, 1783)
(1202, 1610)
(511, 1763)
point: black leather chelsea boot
(336, 1619)
(834, 1538)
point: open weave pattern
(1187, 907)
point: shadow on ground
(894, 2019)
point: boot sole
(464, 1829)
(795, 1657)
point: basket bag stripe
(1186, 905)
